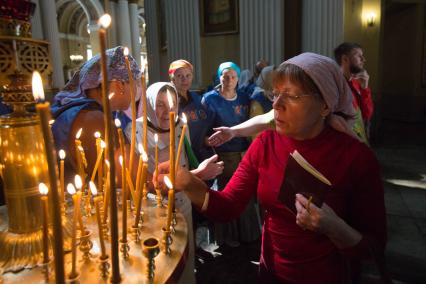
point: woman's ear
(325, 111)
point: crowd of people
(309, 104)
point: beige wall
(215, 50)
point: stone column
(112, 31)
(183, 34)
(51, 33)
(123, 26)
(94, 37)
(152, 40)
(322, 25)
(36, 28)
(261, 32)
(134, 26)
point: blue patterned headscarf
(228, 65)
(89, 75)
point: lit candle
(76, 202)
(78, 156)
(106, 193)
(156, 158)
(121, 142)
(133, 108)
(171, 200)
(124, 199)
(182, 136)
(172, 138)
(98, 151)
(62, 174)
(139, 172)
(98, 160)
(144, 158)
(43, 191)
(144, 108)
(104, 22)
(78, 184)
(44, 114)
(97, 199)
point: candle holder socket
(124, 248)
(86, 244)
(150, 249)
(104, 266)
(166, 240)
(136, 234)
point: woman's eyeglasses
(289, 98)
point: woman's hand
(310, 217)
(209, 168)
(164, 170)
(222, 135)
(324, 220)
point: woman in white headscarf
(315, 242)
(159, 123)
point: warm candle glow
(103, 145)
(126, 51)
(52, 121)
(105, 20)
(93, 188)
(107, 163)
(167, 182)
(37, 85)
(78, 182)
(70, 189)
(62, 154)
(78, 134)
(143, 153)
(117, 123)
(184, 120)
(170, 99)
(97, 134)
(156, 138)
(43, 188)
(111, 95)
(120, 159)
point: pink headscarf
(329, 79)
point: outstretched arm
(245, 129)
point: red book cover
(301, 177)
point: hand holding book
(301, 177)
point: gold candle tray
(168, 268)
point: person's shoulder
(353, 146)
(210, 96)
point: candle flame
(93, 188)
(156, 138)
(169, 99)
(126, 51)
(78, 182)
(37, 84)
(105, 20)
(120, 159)
(184, 120)
(43, 188)
(143, 153)
(117, 123)
(111, 95)
(62, 154)
(71, 188)
(78, 134)
(103, 145)
(107, 163)
(97, 134)
(140, 148)
(168, 182)
(52, 121)
(80, 148)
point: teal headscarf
(228, 65)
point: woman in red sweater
(312, 107)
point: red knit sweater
(288, 252)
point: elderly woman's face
(297, 114)
(162, 109)
(229, 79)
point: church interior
(57, 37)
